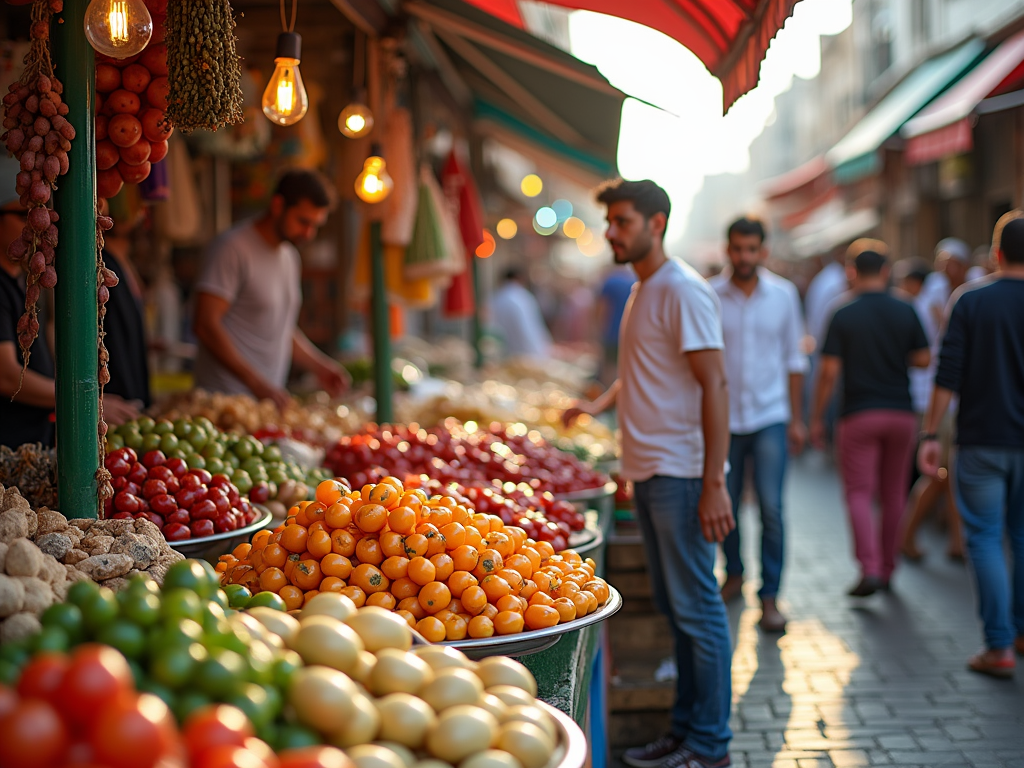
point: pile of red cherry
(497, 453)
(184, 504)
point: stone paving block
(901, 741)
(849, 758)
(930, 759)
(961, 731)
(814, 763)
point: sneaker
(684, 758)
(654, 754)
(995, 663)
(867, 586)
(666, 671)
(771, 619)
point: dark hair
(646, 196)
(868, 256)
(300, 184)
(747, 225)
(911, 269)
(1011, 242)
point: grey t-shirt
(262, 284)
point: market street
(878, 681)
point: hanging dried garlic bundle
(203, 70)
(39, 136)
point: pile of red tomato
(82, 711)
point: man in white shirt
(673, 408)
(765, 366)
(517, 319)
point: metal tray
(212, 547)
(534, 640)
(589, 494)
(572, 750)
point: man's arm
(796, 361)
(36, 389)
(929, 453)
(828, 372)
(598, 406)
(797, 430)
(715, 510)
(920, 358)
(209, 329)
(332, 376)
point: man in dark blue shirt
(982, 361)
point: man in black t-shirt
(872, 340)
(982, 361)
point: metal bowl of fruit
(212, 547)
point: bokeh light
(586, 237)
(486, 248)
(574, 227)
(545, 230)
(589, 244)
(506, 229)
(546, 217)
(531, 185)
(562, 208)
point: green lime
(215, 466)
(242, 449)
(16, 653)
(9, 673)
(187, 703)
(189, 575)
(163, 427)
(242, 480)
(150, 441)
(238, 595)
(66, 616)
(177, 453)
(134, 441)
(220, 598)
(261, 663)
(51, 638)
(125, 636)
(160, 691)
(142, 608)
(272, 454)
(142, 583)
(231, 462)
(277, 475)
(82, 592)
(100, 609)
(205, 423)
(146, 424)
(268, 599)
(199, 438)
(285, 665)
(169, 442)
(181, 603)
(175, 666)
(212, 575)
(195, 461)
(181, 633)
(220, 673)
(295, 736)
(114, 442)
(138, 673)
(182, 427)
(254, 702)
(212, 450)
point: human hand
(715, 512)
(570, 415)
(796, 434)
(117, 410)
(261, 390)
(929, 458)
(334, 379)
(817, 434)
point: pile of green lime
(202, 445)
(184, 643)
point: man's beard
(636, 252)
(744, 271)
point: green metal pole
(381, 329)
(75, 295)
(478, 326)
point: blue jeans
(767, 449)
(681, 565)
(990, 495)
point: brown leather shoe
(654, 754)
(995, 663)
(732, 588)
(771, 619)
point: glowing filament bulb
(118, 28)
(284, 100)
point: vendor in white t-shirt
(673, 408)
(249, 294)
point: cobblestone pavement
(879, 681)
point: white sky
(678, 152)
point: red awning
(943, 142)
(731, 37)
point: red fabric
(955, 139)
(460, 189)
(506, 10)
(731, 37)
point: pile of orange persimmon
(449, 571)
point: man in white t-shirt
(765, 365)
(517, 319)
(249, 294)
(673, 408)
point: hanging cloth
(461, 193)
(400, 207)
(436, 251)
(410, 294)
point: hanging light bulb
(284, 100)
(355, 120)
(118, 28)
(374, 184)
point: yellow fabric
(410, 294)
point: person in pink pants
(872, 340)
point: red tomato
(315, 757)
(42, 676)
(134, 733)
(8, 700)
(217, 725)
(32, 736)
(230, 757)
(97, 678)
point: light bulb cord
(285, 25)
(358, 60)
